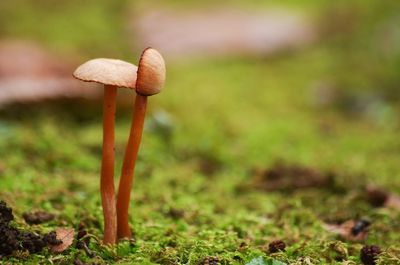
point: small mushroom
(112, 74)
(150, 81)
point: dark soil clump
(13, 239)
(8, 240)
(369, 254)
(175, 213)
(209, 165)
(377, 197)
(6, 214)
(210, 261)
(276, 246)
(51, 239)
(286, 177)
(37, 217)
(32, 242)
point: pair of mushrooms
(147, 79)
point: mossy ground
(225, 118)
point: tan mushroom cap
(108, 72)
(151, 73)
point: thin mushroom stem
(107, 166)
(128, 166)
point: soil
(276, 246)
(209, 165)
(6, 214)
(14, 239)
(282, 176)
(210, 261)
(51, 238)
(175, 213)
(8, 240)
(39, 217)
(377, 197)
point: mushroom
(150, 81)
(112, 74)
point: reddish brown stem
(107, 166)
(128, 166)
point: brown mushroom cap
(108, 72)
(151, 73)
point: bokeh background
(252, 78)
(249, 83)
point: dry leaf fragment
(393, 202)
(66, 235)
(346, 231)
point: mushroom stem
(107, 166)
(128, 166)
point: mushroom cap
(151, 73)
(108, 72)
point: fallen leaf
(30, 73)
(66, 235)
(214, 32)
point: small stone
(369, 254)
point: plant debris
(369, 254)
(276, 246)
(38, 217)
(282, 176)
(82, 241)
(351, 230)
